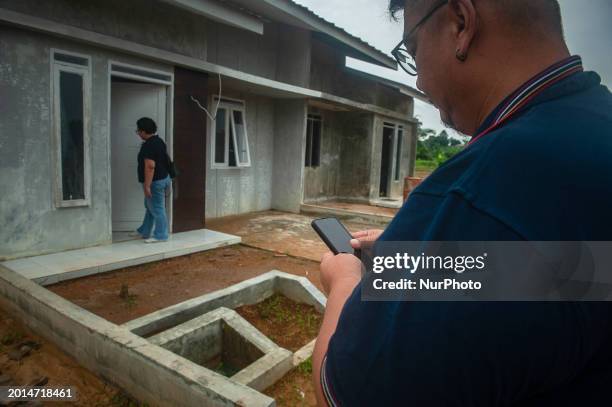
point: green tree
(434, 149)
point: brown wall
(189, 150)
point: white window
(313, 141)
(229, 141)
(71, 98)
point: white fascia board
(216, 11)
(322, 26)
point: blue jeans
(155, 215)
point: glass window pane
(220, 137)
(241, 138)
(232, 150)
(72, 136)
(398, 153)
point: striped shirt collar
(523, 95)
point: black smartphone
(334, 234)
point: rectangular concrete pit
(223, 341)
(248, 292)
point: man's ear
(465, 20)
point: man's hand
(369, 235)
(340, 270)
(147, 191)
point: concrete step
(353, 215)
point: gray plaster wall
(289, 152)
(321, 183)
(243, 50)
(329, 74)
(344, 171)
(354, 177)
(141, 21)
(282, 53)
(240, 190)
(294, 59)
(31, 224)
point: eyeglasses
(403, 56)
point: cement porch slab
(53, 268)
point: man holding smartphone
(537, 168)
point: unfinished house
(253, 98)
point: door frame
(386, 124)
(148, 75)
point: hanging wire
(213, 116)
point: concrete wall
(344, 171)
(140, 21)
(289, 151)
(354, 177)
(282, 53)
(321, 183)
(31, 224)
(241, 190)
(293, 56)
(242, 50)
(329, 74)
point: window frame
(311, 117)
(230, 106)
(57, 67)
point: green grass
(425, 165)
(11, 337)
(305, 367)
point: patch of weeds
(128, 299)
(120, 399)
(305, 367)
(272, 308)
(11, 337)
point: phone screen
(334, 234)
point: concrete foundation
(148, 372)
(225, 342)
(248, 292)
(199, 352)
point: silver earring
(461, 56)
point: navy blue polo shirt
(545, 174)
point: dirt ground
(287, 323)
(295, 389)
(279, 231)
(154, 286)
(47, 365)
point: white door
(130, 102)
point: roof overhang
(291, 13)
(217, 11)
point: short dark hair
(147, 125)
(522, 13)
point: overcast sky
(588, 31)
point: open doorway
(134, 93)
(386, 159)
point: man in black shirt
(153, 174)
